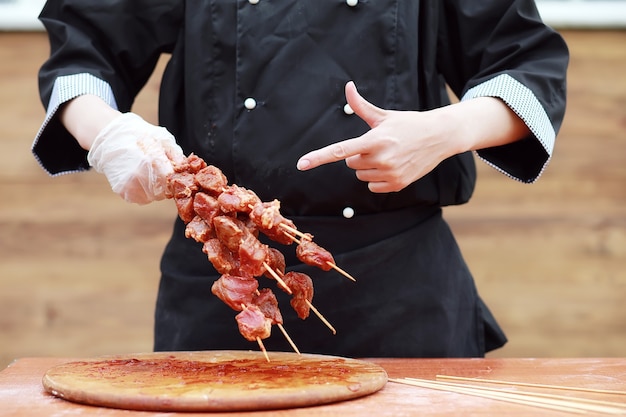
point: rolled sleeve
(524, 160)
(54, 147)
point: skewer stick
(293, 345)
(294, 231)
(277, 277)
(332, 265)
(606, 407)
(282, 329)
(292, 237)
(318, 314)
(528, 384)
(315, 310)
(341, 271)
(262, 346)
(491, 395)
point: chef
(337, 108)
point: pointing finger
(332, 153)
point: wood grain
(22, 393)
(79, 267)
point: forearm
(482, 122)
(85, 116)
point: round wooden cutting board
(213, 380)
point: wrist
(455, 126)
(85, 116)
(485, 122)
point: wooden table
(22, 394)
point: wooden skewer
(277, 277)
(609, 407)
(292, 237)
(294, 231)
(317, 313)
(528, 384)
(332, 265)
(341, 271)
(581, 400)
(282, 329)
(262, 346)
(491, 395)
(293, 345)
(606, 407)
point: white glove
(136, 157)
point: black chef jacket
(289, 61)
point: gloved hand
(136, 157)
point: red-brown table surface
(22, 393)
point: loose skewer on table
(553, 402)
(528, 384)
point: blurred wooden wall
(79, 267)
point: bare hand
(400, 148)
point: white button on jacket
(249, 103)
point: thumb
(370, 114)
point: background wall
(79, 267)
(22, 14)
